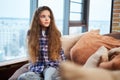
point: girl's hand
(114, 60)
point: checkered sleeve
(62, 55)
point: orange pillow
(89, 43)
(68, 41)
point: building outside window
(14, 23)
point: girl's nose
(46, 18)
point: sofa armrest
(115, 35)
(18, 72)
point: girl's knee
(29, 76)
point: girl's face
(45, 18)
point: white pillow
(93, 60)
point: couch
(69, 46)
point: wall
(116, 16)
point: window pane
(75, 11)
(80, 1)
(100, 15)
(14, 22)
(75, 7)
(75, 30)
(57, 7)
(75, 16)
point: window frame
(69, 23)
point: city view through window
(12, 38)
(14, 23)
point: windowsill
(10, 62)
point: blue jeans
(29, 76)
(49, 73)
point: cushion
(114, 34)
(71, 71)
(89, 43)
(94, 59)
(68, 41)
(20, 71)
(113, 62)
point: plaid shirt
(44, 61)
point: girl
(44, 46)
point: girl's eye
(43, 16)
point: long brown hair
(54, 43)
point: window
(76, 16)
(14, 23)
(84, 15)
(100, 15)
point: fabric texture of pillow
(89, 43)
(94, 59)
(68, 42)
